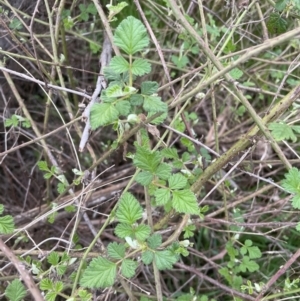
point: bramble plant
(166, 188)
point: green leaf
(50, 296)
(136, 99)
(128, 268)
(129, 209)
(102, 114)
(1, 208)
(162, 196)
(154, 241)
(61, 188)
(144, 178)
(100, 273)
(115, 9)
(140, 67)
(146, 159)
(48, 175)
(158, 120)
(164, 259)
(189, 231)
(58, 286)
(114, 91)
(296, 201)
(6, 224)
(177, 181)
(276, 24)
(149, 88)
(124, 230)
(248, 264)
(147, 257)
(53, 258)
(123, 107)
(164, 171)
(281, 5)
(43, 165)
(292, 181)
(253, 251)
(180, 61)
(184, 201)
(46, 284)
(15, 291)
(236, 73)
(170, 153)
(142, 232)
(119, 65)
(282, 131)
(154, 104)
(116, 251)
(131, 35)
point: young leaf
(129, 209)
(185, 201)
(46, 284)
(154, 241)
(177, 181)
(43, 165)
(253, 251)
(131, 35)
(102, 114)
(149, 88)
(154, 104)
(162, 196)
(251, 265)
(146, 159)
(128, 268)
(6, 224)
(53, 258)
(119, 65)
(15, 291)
(140, 67)
(164, 259)
(292, 180)
(282, 131)
(100, 273)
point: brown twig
(26, 277)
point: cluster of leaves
(277, 22)
(241, 261)
(170, 190)
(53, 172)
(102, 271)
(121, 98)
(15, 120)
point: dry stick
(280, 272)
(11, 150)
(106, 26)
(26, 277)
(214, 282)
(104, 60)
(43, 83)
